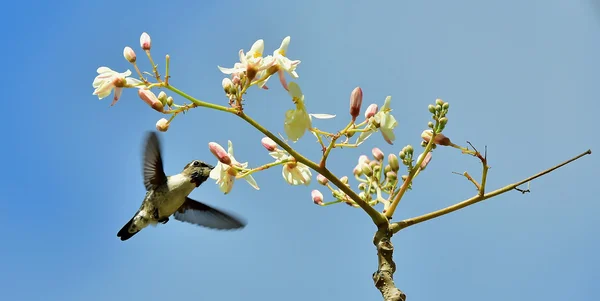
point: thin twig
(478, 198)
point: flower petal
(251, 181)
(322, 116)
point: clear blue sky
(521, 77)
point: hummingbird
(168, 195)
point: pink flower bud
(317, 197)
(440, 139)
(425, 161)
(145, 41)
(268, 143)
(371, 111)
(219, 152)
(363, 158)
(357, 171)
(356, 98)
(322, 180)
(129, 54)
(151, 99)
(377, 154)
(162, 125)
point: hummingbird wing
(194, 212)
(154, 174)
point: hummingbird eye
(196, 163)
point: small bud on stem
(145, 41)
(129, 54)
(219, 152)
(371, 111)
(356, 98)
(317, 197)
(162, 125)
(150, 98)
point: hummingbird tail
(124, 233)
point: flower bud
(129, 54)
(438, 108)
(439, 102)
(357, 171)
(366, 169)
(377, 154)
(150, 98)
(145, 41)
(363, 158)
(322, 180)
(402, 154)
(227, 85)
(443, 121)
(425, 161)
(391, 176)
(446, 106)
(362, 186)
(162, 96)
(356, 98)
(317, 197)
(371, 111)
(430, 125)
(170, 101)
(439, 139)
(344, 179)
(393, 161)
(219, 152)
(162, 125)
(268, 143)
(372, 164)
(431, 109)
(387, 168)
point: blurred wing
(194, 212)
(154, 174)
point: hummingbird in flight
(168, 195)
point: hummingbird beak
(210, 166)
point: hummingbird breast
(168, 198)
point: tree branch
(384, 277)
(395, 227)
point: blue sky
(520, 76)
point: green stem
(200, 103)
(263, 167)
(414, 170)
(395, 227)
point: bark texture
(384, 277)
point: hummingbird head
(198, 171)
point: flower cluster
(375, 177)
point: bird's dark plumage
(154, 174)
(124, 233)
(200, 214)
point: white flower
(107, 80)
(282, 61)
(295, 173)
(225, 175)
(382, 120)
(279, 63)
(252, 62)
(297, 121)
